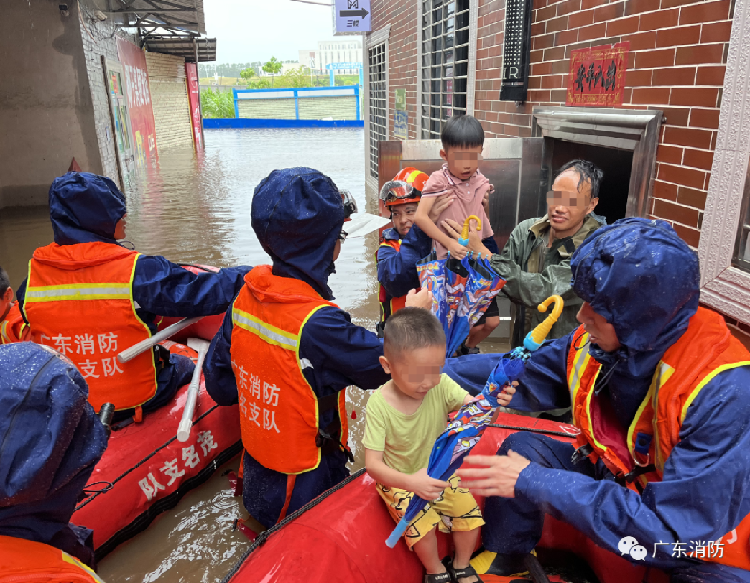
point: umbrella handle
(535, 338)
(397, 532)
(464, 238)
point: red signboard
(194, 97)
(597, 75)
(133, 61)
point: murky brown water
(196, 208)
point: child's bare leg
(464, 543)
(427, 552)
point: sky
(256, 30)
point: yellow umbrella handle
(464, 240)
(535, 338)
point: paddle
(183, 430)
(143, 345)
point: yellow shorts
(455, 509)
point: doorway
(616, 164)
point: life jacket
(32, 562)
(706, 349)
(388, 304)
(13, 328)
(279, 411)
(79, 301)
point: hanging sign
(597, 75)
(133, 62)
(351, 16)
(516, 47)
(400, 117)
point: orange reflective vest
(12, 327)
(32, 562)
(279, 410)
(388, 304)
(706, 349)
(79, 301)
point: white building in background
(343, 50)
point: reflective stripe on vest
(12, 328)
(705, 350)
(33, 562)
(388, 304)
(279, 411)
(79, 301)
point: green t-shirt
(406, 440)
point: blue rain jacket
(397, 270)
(50, 441)
(85, 208)
(645, 281)
(298, 215)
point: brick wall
(166, 78)
(99, 39)
(676, 64)
(402, 16)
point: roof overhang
(182, 46)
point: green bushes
(217, 103)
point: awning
(167, 26)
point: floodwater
(195, 208)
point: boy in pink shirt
(463, 139)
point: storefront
(655, 92)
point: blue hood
(50, 441)
(297, 214)
(84, 208)
(645, 281)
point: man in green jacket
(535, 261)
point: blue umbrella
(467, 427)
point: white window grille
(445, 63)
(378, 89)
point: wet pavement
(196, 209)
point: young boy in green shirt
(404, 418)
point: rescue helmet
(405, 187)
(350, 205)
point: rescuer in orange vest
(660, 390)
(403, 245)
(50, 439)
(12, 326)
(286, 351)
(89, 297)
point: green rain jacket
(527, 287)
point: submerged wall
(46, 112)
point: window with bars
(445, 62)
(742, 248)
(378, 67)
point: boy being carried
(404, 418)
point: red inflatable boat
(145, 470)
(340, 536)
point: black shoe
(506, 565)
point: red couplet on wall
(597, 75)
(194, 98)
(138, 93)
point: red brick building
(677, 147)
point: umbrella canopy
(461, 292)
(467, 427)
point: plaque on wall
(597, 75)
(516, 47)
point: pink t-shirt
(469, 195)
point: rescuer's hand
(493, 475)
(441, 203)
(453, 229)
(486, 200)
(419, 299)
(425, 487)
(457, 250)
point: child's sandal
(462, 573)
(438, 578)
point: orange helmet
(405, 187)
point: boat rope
(533, 430)
(263, 536)
(139, 464)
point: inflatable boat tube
(340, 536)
(145, 470)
